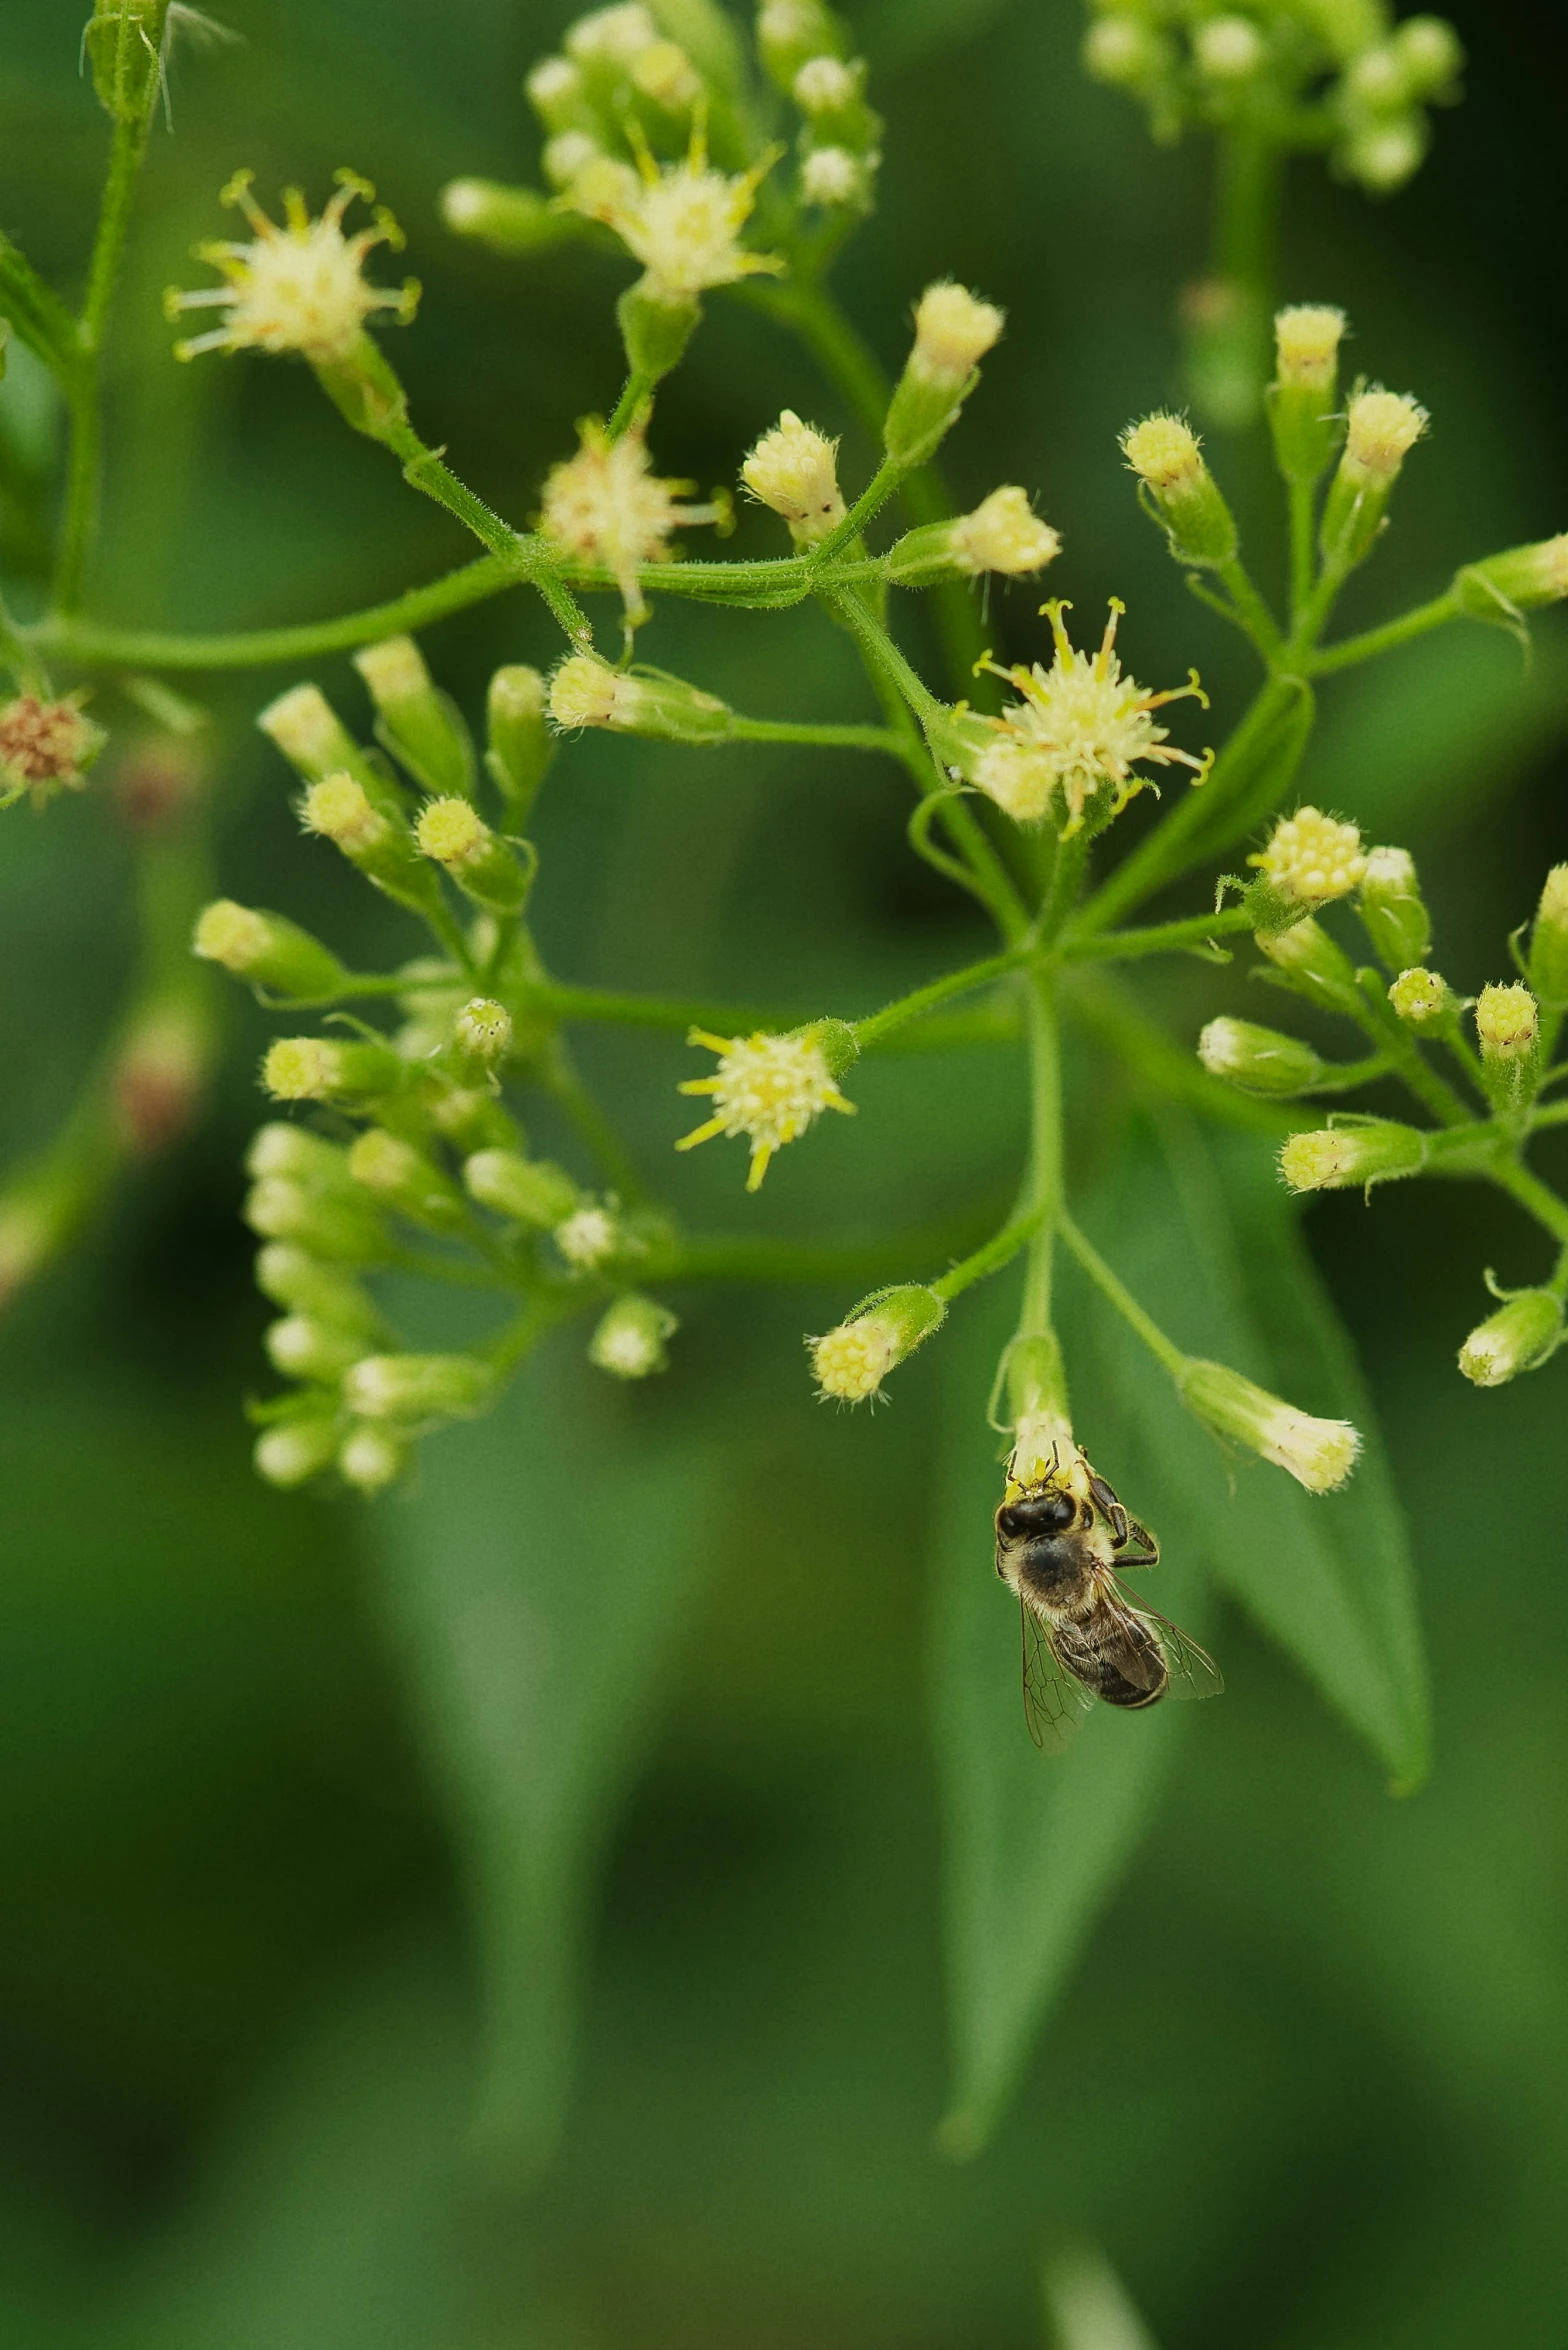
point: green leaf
(37, 313)
(536, 1584)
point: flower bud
(268, 950)
(309, 733)
(1508, 1029)
(852, 1361)
(320, 1069)
(370, 1459)
(278, 1207)
(1311, 859)
(1381, 430)
(1259, 1060)
(520, 745)
(629, 1341)
(1430, 55)
(482, 1035)
(1518, 1337)
(1003, 535)
(558, 93)
(340, 810)
(1311, 964)
(418, 1387)
(404, 1180)
(1393, 912)
(666, 77)
(585, 691)
(1340, 1158)
(293, 1151)
(1319, 1454)
(1385, 151)
(1422, 998)
(291, 1277)
(1521, 579)
(1549, 942)
(953, 332)
(611, 38)
(1163, 451)
(295, 1451)
(124, 43)
(471, 1120)
(317, 1351)
(591, 1237)
(790, 33)
(419, 725)
(45, 748)
(1126, 53)
(515, 222)
(1304, 394)
(1228, 49)
(455, 836)
(526, 1191)
(793, 469)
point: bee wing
(1193, 1671)
(1054, 1702)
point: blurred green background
(1307, 2086)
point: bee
(1062, 1540)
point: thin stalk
(824, 736)
(1535, 1197)
(638, 389)
(1021, 1231)
(881, 1024)
(1393, 633)
(1253, 613)
(1192, 933)
(1303, 546)
(126, 153)
(1045, 1157)
(1115, 1290)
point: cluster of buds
(1343, 75)
(803, 49)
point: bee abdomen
(1140, 1677)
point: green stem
(126, 154)
(1536, 1198)
(1194, 932)
(1256, 619)
(638, 389)
(1120, 1296)
(1021, 1231)
(824, 736)
(1303, 540)
(866, 508)
(1045, 1156)
(1393, 633)
(871, 1031)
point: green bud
(1164, 453)
(586, 691)
(1381, 430)
(280, 1208)
(291, 1277)
(1126, 53)
(654, 332)
(791, 32)
(1259, 1060)
(418, 1387)
(419, 725)
(558, 93)
(1422, 999)
(268, 950)
(1521, 579)
(1304, 396)
(1549, 943)
(629, 1341)
(482, 1035)
(1311, 964)
(521, 745)
(828, 92)
(953, 332)
(1430, 55)
(1340, 1158)
(293, 1151)
(321, 1352)
(1393, 912)
(125, 49)
(455, 836)
(525, 1191)
(295, 1451)
(471, 1120)
(511, 221)
(1519, 1337)
(1319, 1454)
(341, 810)
(851, 1362)
(321, 1069)
(370, 1459)
(318, 746)
(404, 1180)
(1508, 1030)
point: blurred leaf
(1086, 2303)
(536, 1583)
(899, 33)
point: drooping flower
(300, 287)
(769, 1088)
(1080, 727)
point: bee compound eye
(1035, 1514)
(1009, 1521)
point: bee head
(1049, 1512)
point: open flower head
(794, 469)
(607, 506)
(1081, 728)
(682, 222)
(300, 287)
(1311, 858)
(768, 1088)
(45, 747)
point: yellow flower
(1080, 726)
(683, 222)
(793, 469)
(606, 506)
(1312, 858)
(769, 1088)
(296, 288)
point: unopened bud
(665, 75)
(591, 1237)
(370, 1459)
(340, 810)
(280, 1149)
(482, 1034)
(585, 691)
(320, 1069)
(1518, 1337)
(1311, 859)
(1521, 579)
(304, 1284)
(1549, 943)
(526, 1191)
(418, 1387)
(1393, 912)
(1319, 1454)
(1003, 535)
(1125, 52)
(1381, 430)
(1313, 965)
(403, 1179)
(309, 733)
(1430, 54)
(1228, 49)
(794, 469)
(268, 950)
(790, 33)
(1164, 452)
(509, 220)
(454, 834)
(558, 94)
(953, 332)
(295, 1451)
(302, 1348)
(277, 1207)
(630, 1339)
(1508, 1029)
(520, 745)
(471, 1119)
(1340, 1158)
(1422, 998)
(419, 725)
(1303, 396)
(851, 1362)
(1259, 1060)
